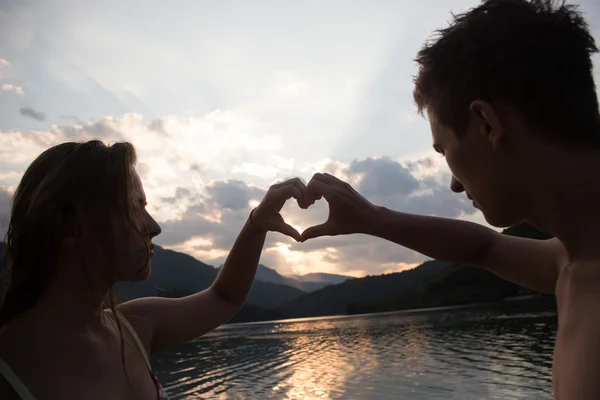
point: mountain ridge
(308, 282)
(432, 284)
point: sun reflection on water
(416, 356)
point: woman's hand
(266, 216)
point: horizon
(223, 99)
(303, 274)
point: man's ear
(488, 122)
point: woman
(78, 225)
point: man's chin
(500, 221)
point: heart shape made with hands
(300, 218)
(346, 210)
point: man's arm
(531, 263)
(528, 262)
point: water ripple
(450, 354)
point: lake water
(486, 352)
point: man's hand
(349, 212)
(267, 215)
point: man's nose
(456, 186)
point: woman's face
(137, 248)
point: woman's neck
(74, 298)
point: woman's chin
(140, 275)
(145, 273)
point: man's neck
(566, 204)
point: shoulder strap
(14, 381)
(135, 337)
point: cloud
(104, 129)
(3, 63)
(33, 114)
(73, 118)
(383, 178)
(209, 226)
(199, 149)
(232, 194)
(216, 214)
(180, 193)
(203, 179)
(143, 170)
(9, 87)
(393, 184)
(158, 125)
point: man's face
(479, 168)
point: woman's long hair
(72, 190)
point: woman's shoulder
(15, 357)
(12, 343)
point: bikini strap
(135, 337)
(14, 381)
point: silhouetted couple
(509, 91)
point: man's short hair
(534, 56)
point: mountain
(432, 284)
(266, 274)
(306, 283)
(173, 271)
(357, 293)
(320, 277)
(272, 295)
(459, 284)
(177, 274)
(170, 270)
(248, 312)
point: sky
(223, 99)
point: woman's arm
(162, 323)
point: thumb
(314, 232)
(286, 229)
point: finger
(315, 231)
(297, 182)
(317, 189)
(302, 202)
(286, 229)
(280, 195)
(293, 181)
(329, 179)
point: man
(509, 93)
